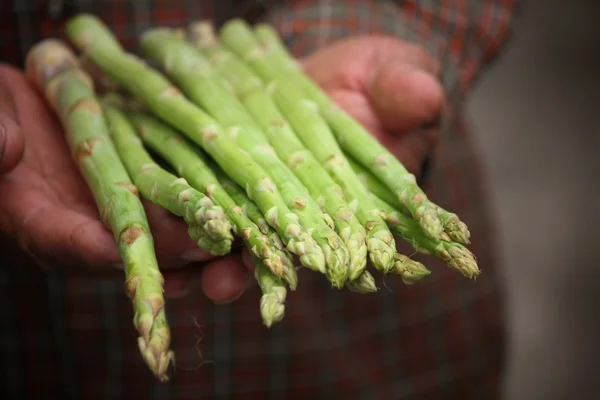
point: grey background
(536, 117)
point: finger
(357, 105)
(178, 282)
(405, 97)
(70, 240)
(225, 279)
(11, 139)
(174, 247)
(412, 149)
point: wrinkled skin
(389, 85)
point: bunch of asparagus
(226, 131)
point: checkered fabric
(72, 338)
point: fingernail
(195, 255)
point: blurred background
(536, 116)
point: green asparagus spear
(352, 136)
(453, 226)
(410, 271)
(289, 148)
(238, 195)
(165, 189)
(176, 151)
(304, 117)
(53, 70)
(365, 283)
(95, 40)
(272, 301)
(456, 255)
(374, 185)
(183, 63)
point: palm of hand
(49, 208)
(388, 85)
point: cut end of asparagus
(410, 271)
(365, 283)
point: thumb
(404, 96)
(11, 139)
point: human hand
(47, 208)
(389, 85)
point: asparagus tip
(356, 243)
(462, 260)
(382, 248)
(157, 357)
(458, 231)
(336, 261)
(272, 308)
(310, 254)
(365, 283)
(410, 271)
(431, 224)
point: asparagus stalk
(456, 255)
(53, 70)
(351, 135)
(304, 117)
(183, 63)
(165, 189)
(239, 196)
(374, 185)
(272, 301)
(94, 39)
(289, 148)
(453, 226)
(176, 151)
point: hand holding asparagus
(233, 138)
